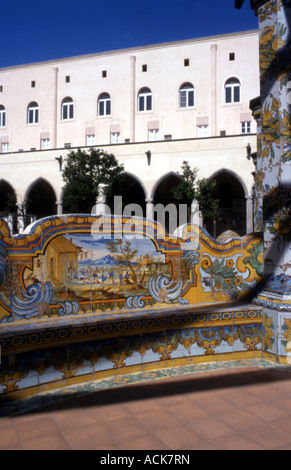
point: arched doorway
(232, 205)
(8, 207)
(40, 200)
(129, 191)
(163, 198)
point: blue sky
(35, 30)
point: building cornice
(133, 50)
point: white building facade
(182, 101)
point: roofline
(137, 49)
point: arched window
(32, 113)
(2, 116)
(186, 96)
(232, 90)
(67, 109)
(104, 105)
(145, 100)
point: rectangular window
(5, 147)
(33, 116)
(2, 118)
(115, 138)
(246, 127)
(91, 140)
(228, 95)
(154, 134)
(168, 137)
(45, 144)
(236, 92)
(108, 107)
(202, 131)
(144, 68)
(231, 56)
(186, 62)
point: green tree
(83, 174)
(124, 254)
(202, 191)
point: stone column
(59, 208)
(249, 214)
(100, 207)
(149, 209)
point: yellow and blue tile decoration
(273, 175)
(78, 303)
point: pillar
(55, 119)
(249, 215)
(214, 88)
(273, 175)
(132, 97)
(149, 209)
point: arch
(235, 175)
(162, 198)
(186, 95)
(40, 199)
(8, 204)
(232, 90)
(8, 199)
(67, 109)
(32, 113)
(159, 181)
(104, 104)
(231, 193)
(2, 116)
(132, 191)
(145, 99)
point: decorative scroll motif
(135, 301)
(162, 289)
(36, 301)
(69, 308)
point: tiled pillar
(274, 174)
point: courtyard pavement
(234, 408)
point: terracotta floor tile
(140, 406)
(267, 411)
(125, 429)
(240, 398)
(183, 438)
(241, 419)
(8, 434)
(269, 436)
(146, 442)
(158, 420)
(284, 424)
(109, 412)
(28, 430)
(236, 441)
(216, 404)
(89, 438)
(211, 428)
(48, 442)
(67, 420)
(189, 414)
